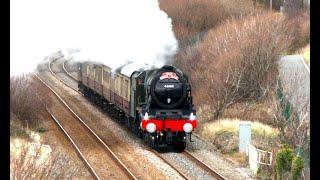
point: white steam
(111, 32)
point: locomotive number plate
(168, 86)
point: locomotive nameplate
(169, 75)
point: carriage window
(106, 77)
(125, 89)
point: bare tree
(28, 99)
(291, 109)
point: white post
(253, 157)
(244, 136)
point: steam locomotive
(155, 104)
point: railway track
(203, 165)
(83, 158)
(187, 154)
(67, 72)
(96, 143)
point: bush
(264, 172)
(16, 129)
(287, 162)
(27, 99)
(296, 167)
(42, 129)
(284, 161)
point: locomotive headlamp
(146, 116)
(151, 127)
(168, 100)
(192, 117)
(187, 127)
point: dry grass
(306, 57)
(237, 158)
(38, 163)
(224, 134)
(27, 162)
(232, 125)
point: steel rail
(59, 79)
(203, 165)
(167, 162)
(114, 156)
(69, 74)
(88, 165)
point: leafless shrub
(237, 9)
(291, 107)
(192, 19)
(16, 129)
(293, 125)
(301, 31)
(266, 3)
(258, 111)
(237, 61)
(293, 7)
(27, 99)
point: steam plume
(111, 32)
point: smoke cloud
(114, 33)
